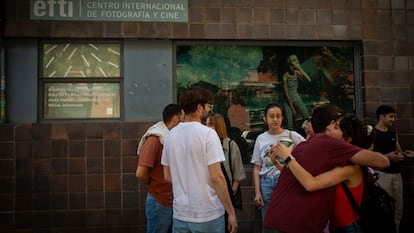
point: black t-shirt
(385, 142)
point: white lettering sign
(110, 10)
(63, 8)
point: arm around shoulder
(370, 158)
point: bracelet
(288, 159)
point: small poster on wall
(81, 100)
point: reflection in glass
(246, 78)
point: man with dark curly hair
(191, 158)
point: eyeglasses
(210, 106)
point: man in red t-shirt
(158, 208)
(292, 209)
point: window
(246, 76)
(80, 80)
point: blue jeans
(267, 185)
(159, 217)
(351, 228)
(214, 226)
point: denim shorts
(214, 226)
(159, 217)
(267, 184)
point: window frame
(42, 81)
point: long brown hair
(217, 120)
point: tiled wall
(70, 177)
(80, 177)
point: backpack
(235, 135)
(236, 198)
(376, 213)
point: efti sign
(111, 10)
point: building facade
(69, 175)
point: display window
(246, 76)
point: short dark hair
(193, 96)
(360, 133)
(323, 115)
(384, 110)
(272, 105)
(170, 111)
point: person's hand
(258, 201)
(234, 187)
(409, 153)
(295, 65)
(232, 224)
(395, 156)
(280, 150)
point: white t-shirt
(262, 146)
(189, 149)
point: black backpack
(376, 212)
(235, 135)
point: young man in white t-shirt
(191, 158)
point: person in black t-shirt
(386, 142)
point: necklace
(382, 129)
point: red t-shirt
(344, 214)
(291, 208)
(150, 156)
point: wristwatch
(288, 159)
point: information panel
(111, 10)
(81, 100)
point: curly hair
(193, 96)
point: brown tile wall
(79, 178)
(71, 177)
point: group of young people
(191, 159)
(311, 175)
(291, 183)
